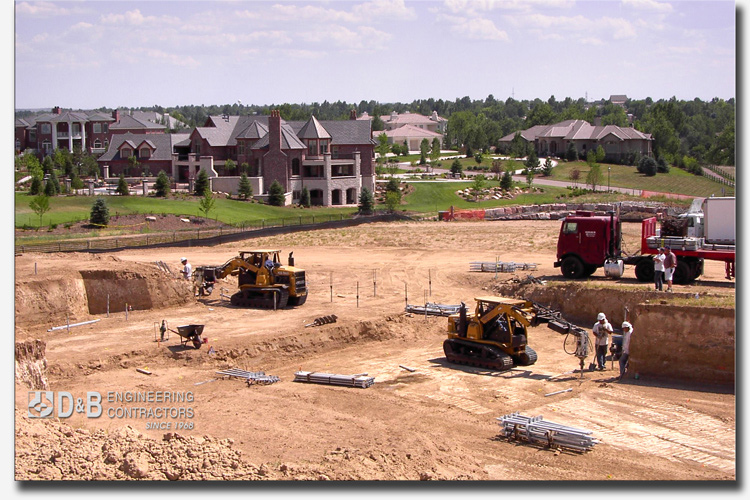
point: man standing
(659, 270)
(627, 330)
(670, 264)
(602, 329)
(187, 269)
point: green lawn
(676, 181)
(76, 208)
(430, 197)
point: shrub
(99, 213)
(276, 194)
(366, 201)
(304, 197)
(122, 186)
(245, 189)
(161, 185)
(201, 183)
(647, 166)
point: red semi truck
(588, 242)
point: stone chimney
(274, 131)
(353, 114)
(116, 115)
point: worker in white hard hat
(627, 330)
(602, 330)
(187, 269)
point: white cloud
(393, 10)
(476, 7)
(479, 29)
(604, 27)
(621, 28)
(591, 41)
(650, 5)
(40, 9)
(364, 37)
(135, 18)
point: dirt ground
(437, 422)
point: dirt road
(438, 422)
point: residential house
(334, 160)
(552, 140)
(415, 127)
(89, 130)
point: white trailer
(719, 221)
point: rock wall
(31, 364)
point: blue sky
(86, 54)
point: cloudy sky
(87, 54)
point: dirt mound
(31, 364)
(62, 293)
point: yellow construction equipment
(263, 281)
(494, 336)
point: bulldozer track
(261, 299)
(479, 355)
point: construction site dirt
(432, 421)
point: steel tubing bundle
(259, 377)
(536, 430)
(433, 309)
(333, 379)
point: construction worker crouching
(602, 330)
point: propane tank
(614, 268)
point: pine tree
(507, 181)
(366, 202)
(36, 186)
(304, 198)
(245, 189)
(201, 183)
(50, 189)
(55, 182)
(161, 186)
(276, 195)
(122, 186)
(99, 213)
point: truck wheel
(572, 267)
(644, 271)
(589, 269)
(683, 274)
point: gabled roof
(148, 143)
(24, 122)
(163, 145)
(255, 131)
(578, 130)
(289, 139)
(408, 118)
(411, 131)
(130, 122)
(313, 130)
(344, 132)
(100, 116)
(65, 116)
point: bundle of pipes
(251, 377)
(536, 430)
(359, 380)
(502, 267)
(433, 309)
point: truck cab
(586, 242)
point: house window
(97, 128)
(144, 153)
(18, 144)
(126, 152)
(312, 149)
(47, 147)
(46, 128)
(241, 148)
(32, 136)
(97, 144)
(197, 147)
(295, 166)
(105, 128)
(76, 129)
(323, 146)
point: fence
(192, 237)
(721, 175)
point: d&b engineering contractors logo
(42, 404)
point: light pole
(609, 169)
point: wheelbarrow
(190, 333)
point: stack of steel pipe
(257, 377)
(538, 431)
(361, 381)
(433, 309)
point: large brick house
(553, 140)
(334, 160)
(91, 131)
(411, 128)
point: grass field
(676, 181)
(76, 208)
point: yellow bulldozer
(494, 336)
(263, 281)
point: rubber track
(260, 300)
(495, 359)
(532, 357)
